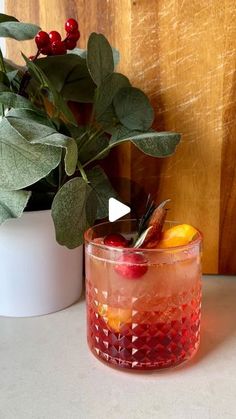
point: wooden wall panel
(182, 53)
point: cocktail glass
(149, 319)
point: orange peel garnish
(115, 317)
(179, 235)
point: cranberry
(70, 43)
(58, 48)
(42, 39)
(71, 25)
(74, 35)
(54, 36)
(115, 240)
(131, 265)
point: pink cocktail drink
(143, 305)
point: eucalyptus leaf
(12, 204)
(7, 18)
(31, 115)
(46, 84)
(12, 74)
(69, 144)
(12, 100)
(73, 211)
(41, 134)
(23, 163)
(83, 54)
(156, 144)
(108, 119)
(107, 90)
(70, 77)
(4, 82)
(102, 188)
(58, 68)
(99, 58)
(133, 109)
(18, 30)
(89, 146)
(80, 52)
(4, 79)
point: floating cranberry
(131, 265)
(115, 240)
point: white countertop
(47, 371)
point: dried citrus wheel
(177, 236)
(114, 317)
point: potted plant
(50, 176)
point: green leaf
(69, 76)
(80, 52)
(23, 163)
(12, 204)
(108, 119)
(73, 211)
(89, 145)
(12, 100)
(69, 144)
(40, 134)
(4, 82)
(33, 115)
(133, 109)
(57, 68)
(107, 90)
(102, 188)
(18, 30)
(7, 18)
(99, 58)
(83, 54)
(156, 144)
(58, 101)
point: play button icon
(117, 209)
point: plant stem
(26, 78)
(2, 64)
(59, 175)
(83, 174)
(3, 69)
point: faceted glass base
(145, 342)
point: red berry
(74, 35)
(54, 36)
(32, 57)
(70, 43)
(132, 265)
(42, 39)
(71, 25)
(46, 50)
(115, 240)
(58, 48)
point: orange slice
(114, 317)
(179, 235)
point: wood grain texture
(183, 54)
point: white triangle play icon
(117, 209)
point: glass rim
(182, 247)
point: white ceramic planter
(37, 275)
